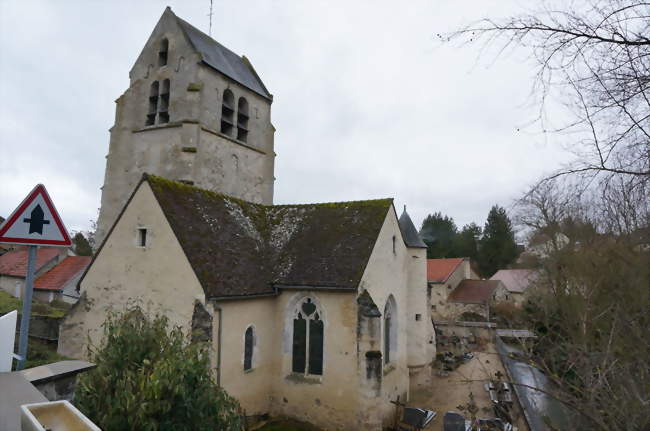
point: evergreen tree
(497, 248)
(467, 241)
(439, 234)
(81, 245)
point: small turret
(411, 236)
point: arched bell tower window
(249, 347)
(153, 104)
(307, 354)
(242, 119)
(163, 110)
(163, 53)
(390, 330)
(227, 112)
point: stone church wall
(387, 274)
(162, 281)
(330, 401)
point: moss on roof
(240, 248)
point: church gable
(174, 40)
(238, 248)
(167, 46)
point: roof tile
(473, 291)
(238, 248)
(14, 263)
(515, 280)
(57, 277)
(439, 270)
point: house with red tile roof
(443, 276)
(60, 282)
(475, 297)
(13, 267)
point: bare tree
(590, 303)
(594, 57)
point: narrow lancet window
(153, 104)
(242, 120)
(163, 53)
(163, 110)
(390, 330)
(227, 112)
(249, 345)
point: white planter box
(54, 416)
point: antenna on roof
(404, 207)
(210, 15)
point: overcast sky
(367, 102)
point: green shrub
(151, 377)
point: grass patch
(41, 353)
(9, 303)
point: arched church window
(307, 355)
(162, 54)
(153, 104)
(242, 119)
(249, 346)
(163, 110)
(390, 329)
(227, 112)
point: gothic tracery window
(307, 355)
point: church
(318, 312)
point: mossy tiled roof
(238, 248)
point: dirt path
(447, 393)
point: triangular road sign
(35, 222)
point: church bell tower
(194, 112)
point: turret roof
(411, 236)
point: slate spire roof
(411, 236)
(222, 59)
(237, 248)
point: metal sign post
(27, 307)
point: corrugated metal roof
(224, 60)
(515, 280)
(439, 270)
(14, 263)
(57, 277)
(411, 236)
(473, 291)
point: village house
(316, 311)
(57, 272)
(471, 300)
(517, 282)
(13, 267)
(60, 282)
(443, 276)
